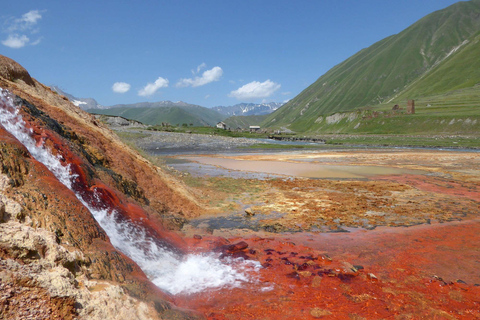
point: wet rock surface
(299, 282)
(50, 244)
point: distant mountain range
(428, 62)
(156, 113)
(82, 103)
(175, 113)
(249, 109)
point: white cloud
(19, 30)
(208, 76)
(16, 41)
(31, 17)
(120, 87)
(34, 43)
(203, 65)
(151, 88)
(255, 90)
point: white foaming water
(171, 272)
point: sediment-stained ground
(410, 188)
(361, 234)
(380, 246)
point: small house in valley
(254, 128)
(222, 125)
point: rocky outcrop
(115, 163)
(12, 71)
(51, 247)
(52, 251)
(116, 121)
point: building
(222, 125)
(411, 106)
(254, 128)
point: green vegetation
(438, 141)
(455, 112)
(221, 184)
(284, 146)
(176, 115)
(210, 131)
(244, 122)
(436, 58)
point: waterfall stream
(168, 270)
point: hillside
(436, 55)
(244, 122)
(155, 114)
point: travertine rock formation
(55, 260)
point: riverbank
(216, 140)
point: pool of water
(261, 169)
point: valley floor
(381, 234)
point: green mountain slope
(459, 71)
(175, 115)
(437, 54)
(244, 122)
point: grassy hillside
(244, 122)
(190, 115)
(459, 71)
(437, 54)
(454, 112)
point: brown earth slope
(55, 260)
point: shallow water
(313, 170)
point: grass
(211, 131)
(282, 146)
(440, 141)
(224, 193)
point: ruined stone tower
(411, 107)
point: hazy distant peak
(82, 103)
(248, 109)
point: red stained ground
(423, 272)
(427, 271)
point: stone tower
(411, 106)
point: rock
(348, 268)
(249, 212)
(11, 70)
(274, 228)
(372, 277)
(305, 274)
(317, 280)
(3, 216)
(319, 313)
(45, 289)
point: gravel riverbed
(159, 142)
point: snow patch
(78, 102)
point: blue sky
(205, 52)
